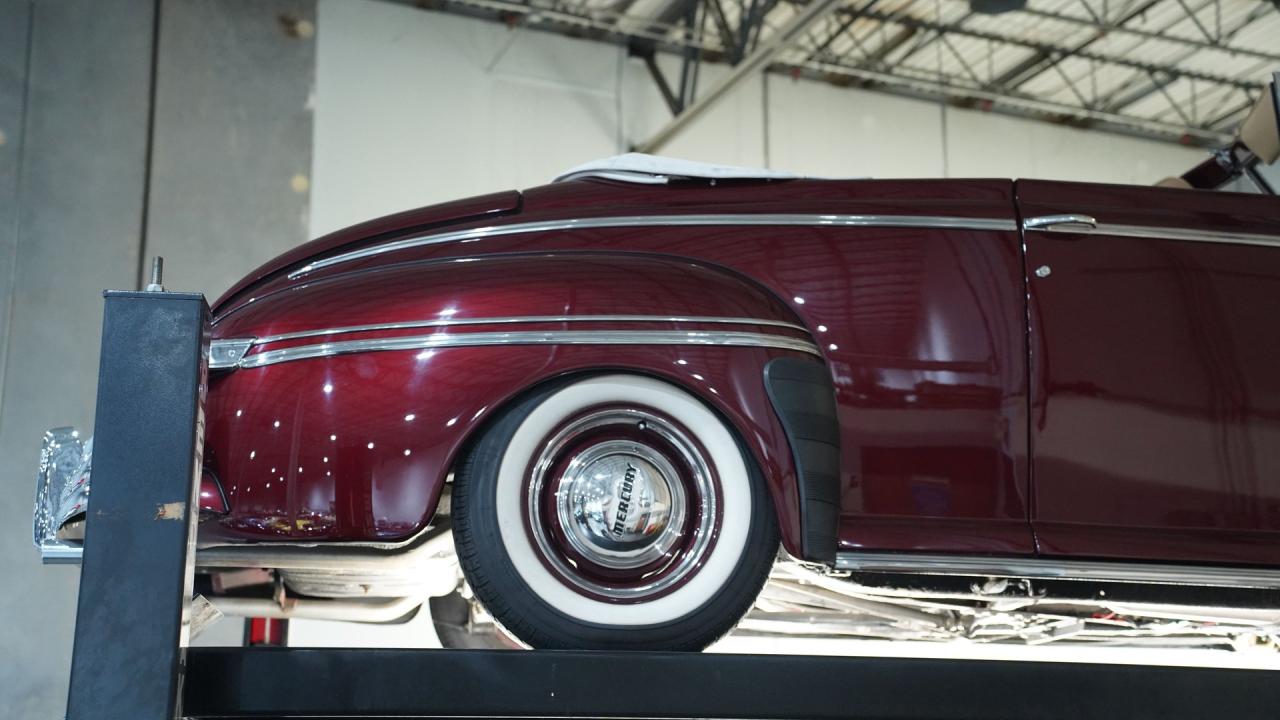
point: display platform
(321, 683)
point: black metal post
(135, 581)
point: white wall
(416, 107)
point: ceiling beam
(1044, 57)
(1188, 42)
(873, 70)
(1158, 83)
(598, 25)
(1230, 114)
(752, 64)
(953, 88)
(841, 27)
(668, 96)
(880, 54)
(1047, 54)
(1125, 95)
(722, 24)
(925, 40)
(1195, 20)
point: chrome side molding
(1159, 233)
(527, 319)
(1065, 221)
(570, 224)
(227, 353)
(1072, 223)
(233, 352)
(562, 337)
(1059, 569)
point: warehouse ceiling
(1179, 70)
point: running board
(1055, 569)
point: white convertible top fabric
(655, 170)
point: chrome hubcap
(622, 504)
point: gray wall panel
(80, 194)
(232, 130)
(232, 155)
(15, 22)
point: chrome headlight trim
(225, 354)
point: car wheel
(613, 512)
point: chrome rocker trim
(561, 337)
(406, 554)
(1085, 225)
(799, 220)
(1057, 569)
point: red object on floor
(266, 632)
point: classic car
(623, 401)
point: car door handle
(1066, 222)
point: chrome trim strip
(409, 555)
(377, 610)
(1046, 221)
(226, 353)
(56, 553)
(559, 337)
(62, 493)
(474, 234)
(406, 556)
(1056, 569)
(450, 322)
(1163, 233)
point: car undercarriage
(805, 600)
(801, 600)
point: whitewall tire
(613, 512)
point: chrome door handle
(1065, 222)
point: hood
(426, 218)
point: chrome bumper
(62, 496)
(418, 570)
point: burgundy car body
(1155, 393)
(1122, 402)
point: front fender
(344, 418)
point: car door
(1154, 322)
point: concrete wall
(231, 161)
(15, 27)
(75, 230)
(90, 187)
